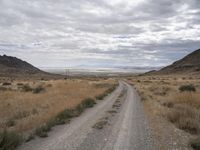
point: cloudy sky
(60, 33)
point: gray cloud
(101, 32)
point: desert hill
(188, 64)
(10, 64)
(15, 67)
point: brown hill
(10, 64)
(14, 67)
(189, 64)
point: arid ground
(26, 105)
(172, 105)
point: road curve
(125, 127)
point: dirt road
(116, 123)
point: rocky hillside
(14, 68)
(10, 64)
(189, 64)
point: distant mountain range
(188, 64)
(12, 66)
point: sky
(99, 33)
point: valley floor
(118, 122)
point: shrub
(88, 102)
(20, 84)
(78, 110)
(189, 88)
(101, 96)
(64, 115)
(195, 143)
(6, 83)
(26, 88)
(43, 130)
(9, 140)
(38, 89)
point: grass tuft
(38, 89)
(9, 140)
(43, 131)
(26, 88)
(88, 103)
(6, 83)
(187, 88)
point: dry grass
(162, 97)
(184, 111)
(29, 111)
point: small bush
(43, 130)
(64, 115)
(195, 143)
(38, 89)
(20, 84)
(9, 140)
(187, 88)
(101, 96)
(110, 90)
(26, 88)
(6, 83)
(88, 102)
(78, 110)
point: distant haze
(93, 70)
(99, 33)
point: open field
(172, 104)
(26, 105)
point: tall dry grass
(184, 111)
(163, 99)
(29, 110)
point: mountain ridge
(15, 67)
(9, 63)
(188, 64)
